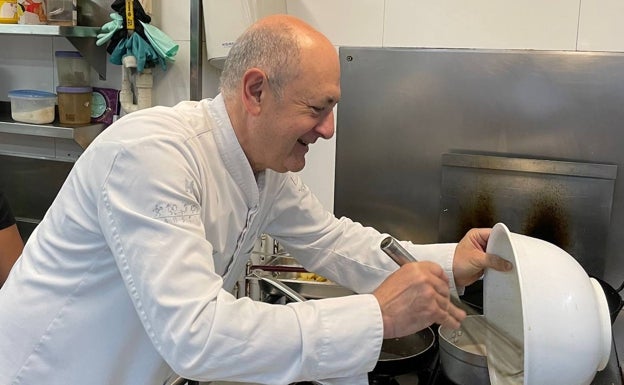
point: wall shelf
(44, 141)
(83, 38)
(48, 30)
(82, 135)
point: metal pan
(614, 299)
(405, 354)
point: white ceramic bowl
(550, 303)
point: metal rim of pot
(459, 364)
(405, 354)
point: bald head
(275, 45)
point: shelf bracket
(94, 55)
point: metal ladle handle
(394, 250)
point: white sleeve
(341, 250)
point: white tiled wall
(28, 62)
(354, 23)
(531, 24)
(600, 26)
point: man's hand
(414, 297)
(471, 260)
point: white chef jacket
(127, 278)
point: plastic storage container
(74, 105)
(72, 69)
(8, 12)
(62, 12)
(31, 106)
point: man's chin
(295, 166)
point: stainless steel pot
(463, 361)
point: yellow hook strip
(130, 15)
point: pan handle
(281, 286)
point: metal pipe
(394, 250)
(195, 82)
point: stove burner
(414, 378)
(381, 379)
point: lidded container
(32, 106)
(74, 105)
(72, 69)
(8, 12)
(62, 12)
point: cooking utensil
(509, 354)
(285, 289)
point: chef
(127, 279)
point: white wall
(28, 62)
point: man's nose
(326, 126)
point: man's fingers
(497, 263)
(454, 316)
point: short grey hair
(273, 49)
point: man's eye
(318, 110)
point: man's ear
(255, 85)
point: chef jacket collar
(232, 153)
